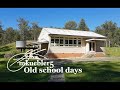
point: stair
(89, 54)
(36, 54)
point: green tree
(1, 34)
(17, 35)
(82, 26)
(116, 38)
(108, 29)
(35, 28)
(23, 27)
(9, 35)
(70, 25)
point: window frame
(74, 39)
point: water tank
(20, 44)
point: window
(56, 42)
(52, 42)
(75, 42)
(61, 42)
(65, 41)
(70, 42)
(79, 43)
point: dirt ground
(74, 60)
(95, 59)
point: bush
(8, 55)
(112, 51)
(15, 52)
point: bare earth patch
(89, 59)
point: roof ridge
(68, 29)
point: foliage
(9, 35)
(71, 25)
(35, 30)
(112, 51)
(82, 26)
(31, 32)
(116, 38)
(1, 34)
(25, 32)
(111, 31)
(23, 27)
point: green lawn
(104, 71)
(113, 51)
(20, 76)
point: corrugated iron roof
(73, 32)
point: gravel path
(57, 77)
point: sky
(57, 17)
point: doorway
(44, 46)
(92, 46)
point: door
(92, 46)
(44, 46)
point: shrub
(112, 51)
(8, 55)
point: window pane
(56, 40)
(75, 41)
(66, 41)
(70, 41)
(52, 40)
(79, 42)
(61, 41)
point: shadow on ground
(20, 76)
(5, 48)
(94, 72)
(2, 55)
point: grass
(106, 71)
(112, 51)
(9, 48)
(20, 76)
